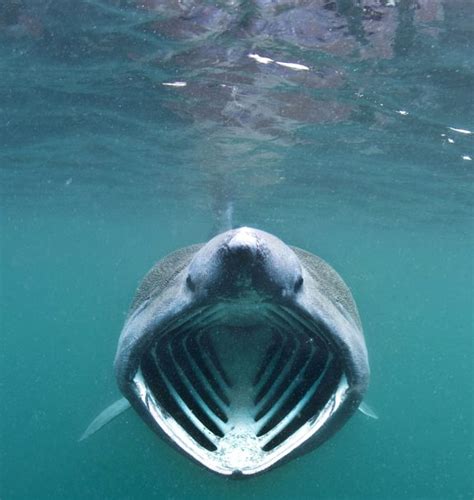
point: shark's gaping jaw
(241, 384)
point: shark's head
(245, 354)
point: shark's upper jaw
(238, 386)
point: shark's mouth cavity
(238, 387)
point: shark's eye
(190, 283)
(298, 283)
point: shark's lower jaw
(239, 387)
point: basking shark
(242, 353)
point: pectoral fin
(112, 411)
(367, 410)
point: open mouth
(240, 386)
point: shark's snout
(245, 261)
(243, 245)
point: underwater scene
(306, 166)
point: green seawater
(362, 159)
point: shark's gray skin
(242, 353)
